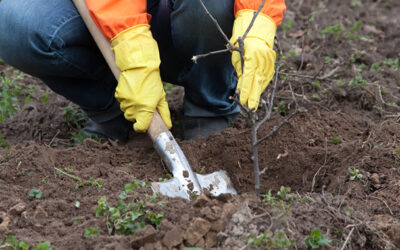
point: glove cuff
(264, 27)
(135, 47)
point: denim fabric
(48, 39)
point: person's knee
(34, 31)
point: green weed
(9, 98)
(11, 243)
(336, 140)
(89, 231)
(36, 193)
(75, 118)
(355, 174)
(357, 82)
(317, 239)
(269, 240)
(127, 218)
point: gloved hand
(140, 90)
(259, 58)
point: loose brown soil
(359, 214)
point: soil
(343, 122)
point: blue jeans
(48, 39)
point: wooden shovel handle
(157, 125)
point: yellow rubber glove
(259, 58)
(140, 90)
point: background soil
(349, 118)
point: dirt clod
(198, 228)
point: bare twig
(347, 239)
(384, 202)
(195, 58)
(60, 171)
(326, 156)
(216, 24)
(276, 128)
(307, 76)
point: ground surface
(348, 119)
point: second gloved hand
(259, 57)
(140, 90)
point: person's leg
(211, 81)
(49, 40)
(183, 29)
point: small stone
(394, 234)
(201, 243)
(218, 225)
(143, 236)
(17, 209)
(165, 225)
(4, 221)
(197, 230)
(206, 212)
(173, 238)
(211, 240)
(40, 212)
(201, 201)
(375, 178)
(228, 209)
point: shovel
(185, 183)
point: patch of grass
(89, 231)
(128, 217)
(269, 240)
(317, 239)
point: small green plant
(3, 142)
(391, 63)
(283, 196)
(355, 174)
(97, 183)
(288, 25)
(11, 243)
(45, 97)
(316, 84)
(9, 98)
(332, 29)
(75, 118)
(80, 136)
(168, 87)
(269, 240)
(317, 239)
(336, 140)
(89, 231)
(78, 220)
(36, 193)
(168, 176)
(376, 66)
(357, 82)
(43, 246)
(127, 218)
(281, 108)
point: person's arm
(259, 57)
(140, 90)
(272, 8)
(114, 16)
